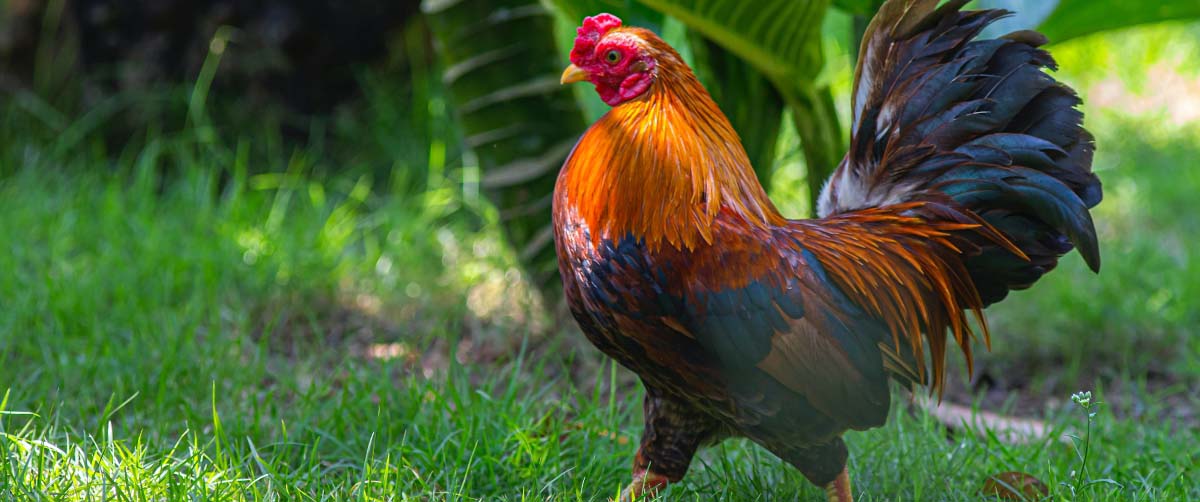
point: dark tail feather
(939, 114)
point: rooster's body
(968, 176)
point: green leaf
(1076, 18)
(630, 12)
(781, 38)
(858, 7)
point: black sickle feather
(938, 113)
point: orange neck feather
(662, 166)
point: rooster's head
(621, 62)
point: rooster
(968, 175)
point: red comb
(593, 28)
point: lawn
(204, 316)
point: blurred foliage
(1074, 18)
(631, 12)
(779, 37)
(294, 60)
(502, 67)
(294, 50)
(858, 7)
(1062, 20)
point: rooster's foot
(645, 485)
(838, 490)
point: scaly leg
(673, 432)
(823, 464)
(838, 490)
(645, 485)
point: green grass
(208, 318)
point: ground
(176, 327)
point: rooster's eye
(612, 56)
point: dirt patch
(1015, 392)
(1008, 388)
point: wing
(758, 310)
(830, 308)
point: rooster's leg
(645, 484)
(823, 464)
(674, 431)
(838, 490)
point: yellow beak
(573, 74)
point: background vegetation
(269, 252)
